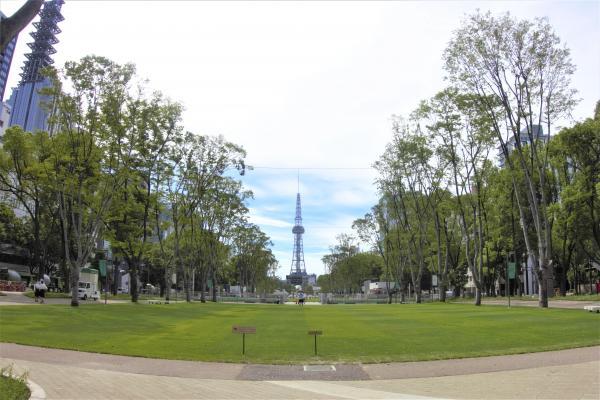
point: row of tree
(116, 165)
(446, 204)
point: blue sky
(331, 200)
(301, 85)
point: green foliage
(117, 165)
(13, 230)
(13, 387)
(24, 184)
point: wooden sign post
(243, 330)
(315, 334)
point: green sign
(209, 284)
(512, 270)
(102, 266)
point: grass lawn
(50, 295)
(351, 333)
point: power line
(310, 168)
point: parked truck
(88, 284)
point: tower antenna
(298, 274)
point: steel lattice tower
(25, 100)
(298, 266)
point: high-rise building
(5, 60)
(27, 104)
(535, 132)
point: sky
(307, 88)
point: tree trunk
(443, 289)
(74, 286)
(116, 277)
(477, 296)
(168, 284)
(418, 295)
(544, 278)
(188, 285)
(202, 286)
(213, 277)
(10, 27)
(562, 277)
(133, 281)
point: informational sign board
(102, 266)
(512, 270)
(434, 280)
(243, 329)
(315, 333)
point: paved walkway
(573, 304)
(64, 374)
(19, 299)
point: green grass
(351, 333)
(13, 388)
(580, 297)
(50, 295)
(126, 296)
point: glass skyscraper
(5, 61)
(27, 104)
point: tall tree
(374, 229)
(22, 159)
(85, 166)
(521, 66)
(464, 144)
(149, 126)
(405, 172)
(196, 164)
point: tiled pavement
(568, 374)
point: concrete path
(572, 304)
(17, 298)
(63, 374)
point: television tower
(298, 270)
(298, 267)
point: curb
(37, 392)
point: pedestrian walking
(301, 298)
(40, 289)
(36, 291)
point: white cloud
(266, 221)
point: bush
(13, 387)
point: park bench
(592, 308)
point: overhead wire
(309, 168)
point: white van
(86, 292)
(88, 284)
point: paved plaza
(65, 374)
